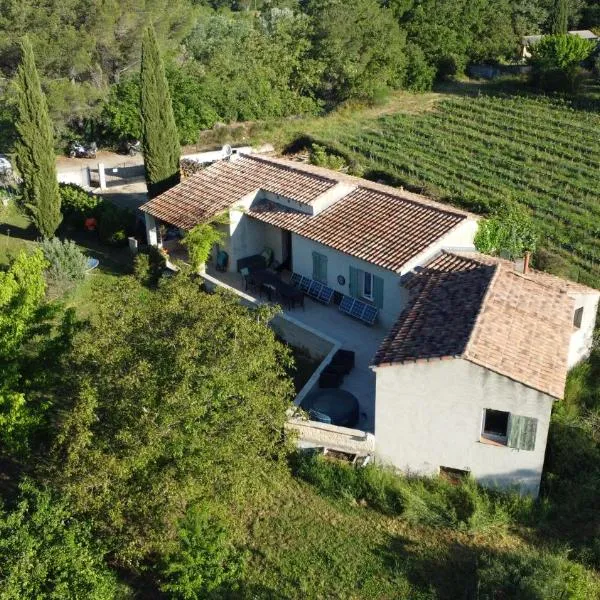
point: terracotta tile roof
(212, 191)
(377, 223)
(465, 305)
(383, 229)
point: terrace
(322, 329)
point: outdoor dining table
(270, 282)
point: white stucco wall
(151, 230)
(338, 263)
(429, 415)
(582, 338)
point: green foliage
(148, 266)
(35, 147)
(82, 48)
(121, 111)
(508, 233)
(451, 34)
(204, 560)
(66, 262)
(77, 202)
(420, 74)
(560, 17)
(22, 290)
(556, 59)
(114, 224)
(160, 139)
(535, 576)
(46, 553)
(200, 240)
(360, 48)
(420, 501)
(182, 398)
(321, 158)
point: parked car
(79, 150)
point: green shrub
(205, 559)
(67, 263)
(148, 266)
(420, 75)
(526, 574)
(77, 203)
(46, 553)
(200, 240)
(115, 224)
(320, 157)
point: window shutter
(521, 432)
(323, 269)
(378, 291)
(319, 267)
(354, 282)
(316, 262)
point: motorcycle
(132, 148)
(78, 150)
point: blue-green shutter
(378, 291)
(354, 282)
(319, 267)
(521, 432)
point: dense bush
(47, 553)
(532, 575)
(320, 157)
(77, 203)
(204, 561)
(556, 61)
(149, 265)
(420, 75)
(115, 224)
(66, 262)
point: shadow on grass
(28, 233)
(115, 260)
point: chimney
(526, 259)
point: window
(495, 425)
(367, 285)
(514, 431)
(577, 317)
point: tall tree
(35, 146)
(560, 17)
(160, 137)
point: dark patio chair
(330, 378)
(343, 359)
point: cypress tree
(35, 156)
(560, 18)
(160, 138)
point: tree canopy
(182, 398)
(35, 147)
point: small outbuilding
(466, 378)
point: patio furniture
(222, 260)
(256, 262)
(344, 359)
(340, 406)
(330, 378)
(92, 263)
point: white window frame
(363, 293)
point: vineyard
(478, 151)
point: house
(355, 236)
(470, 352)
(529, 40)
(466, 378)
